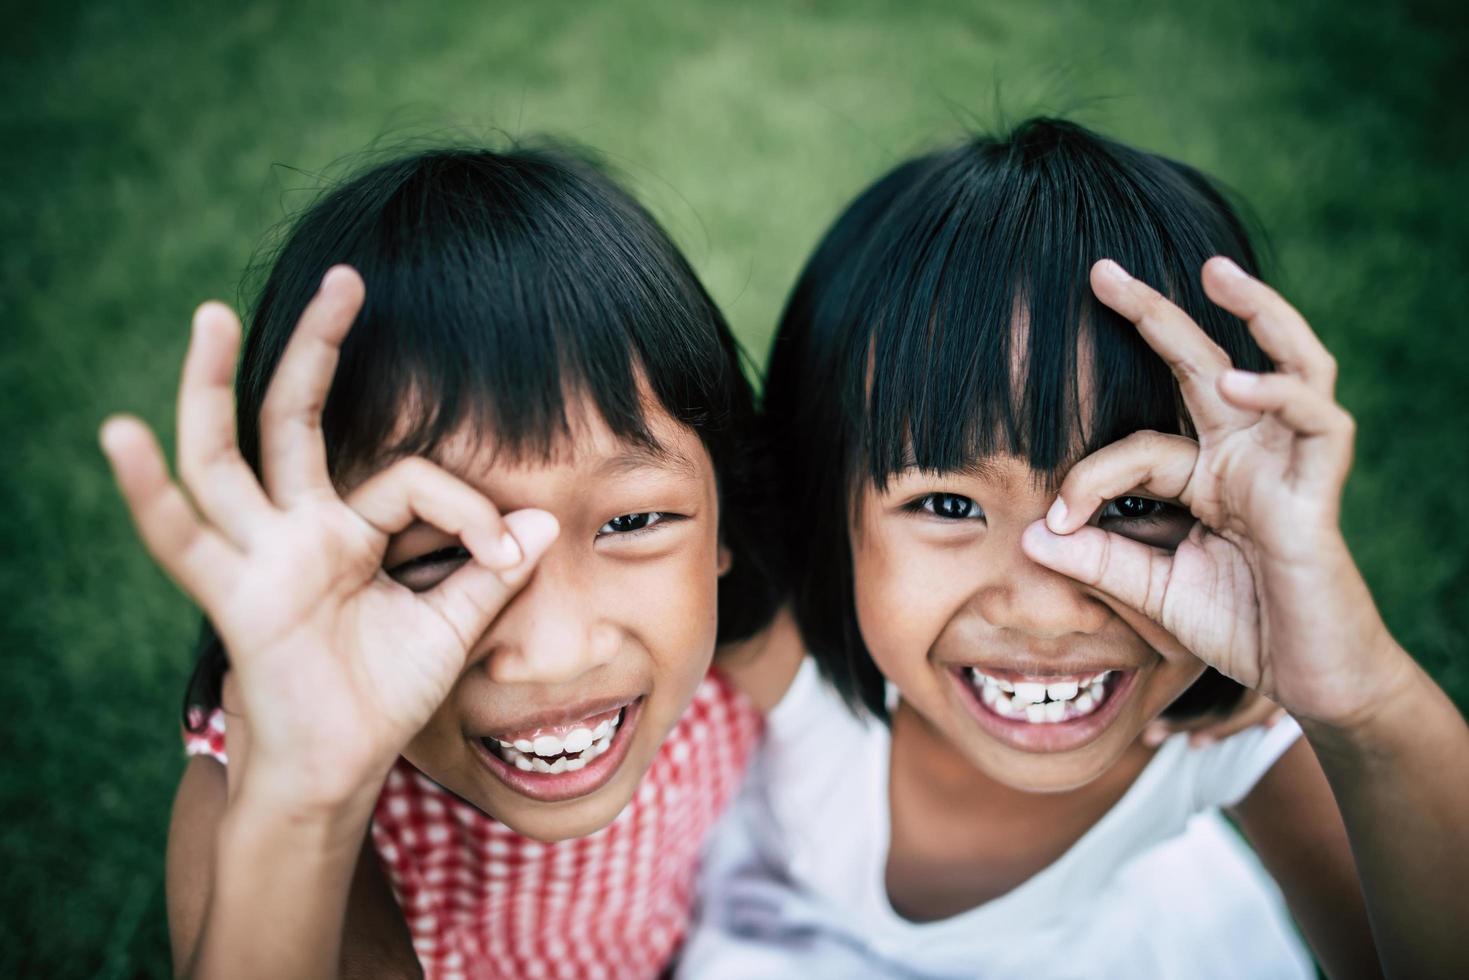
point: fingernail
(1056, 516)
(1113, 271)
(1239, 380)
(534, 531)
(1039, 542)
(1231, 268)
(497, 552)
(509, 550)
(1154, 737)
(334, 271)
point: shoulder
(1227, 771)
(763, 667)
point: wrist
(1379, 725)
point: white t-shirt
(1161, 886)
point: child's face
(946, 598)
(604, 645)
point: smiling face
(999, 655)
(568, 695)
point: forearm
(1401, 779)
(278, 903)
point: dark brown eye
(1132, 508)
(949, 506)
(629, 523)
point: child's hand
(335, 665)
(1263, 588)
(1253, 710)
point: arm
(1293, 824)
(375, 940)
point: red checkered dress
(482, 901)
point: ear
(725, 561)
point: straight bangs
(979, 330)
(498, 289)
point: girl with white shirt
(1034, 504)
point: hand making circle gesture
(1263, 588)
(335, 665)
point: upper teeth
(1040, 702)
(575, 749)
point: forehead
(588, 448)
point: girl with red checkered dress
(465, 556)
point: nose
(549, 633)
(1016, 594)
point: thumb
(1134, 574)
(473, 596)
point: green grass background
(147, 149)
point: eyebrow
(640, 457)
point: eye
(1147, 520)
(1133, 508)
(633, 523)
(948, 506)
(427, 570)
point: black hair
(498, 285)
(897, 346)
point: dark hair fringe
(499, 285)
(897, 346)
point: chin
(1048, 773)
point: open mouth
(1043, 714)
(563, 762)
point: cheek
(670, 605)
(903, 595)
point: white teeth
(1030, 692)
(547, 745)
(603, 744)
(577, 741)
(540, 765)
(558, 766)
(524, 745)
(603, 727)
(1062, 690)
(572, 765)
(1037, 702)
(523, 764)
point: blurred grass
(146, 149)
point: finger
(1195, 360)
(471, 598)
(1132, 573)
(1277, 327)
(292, 451)
(210, 465)
(1153, 463)
(193, 555)
(1324, 430)
(414, 489)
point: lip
(550, 787)
(1062, 736)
